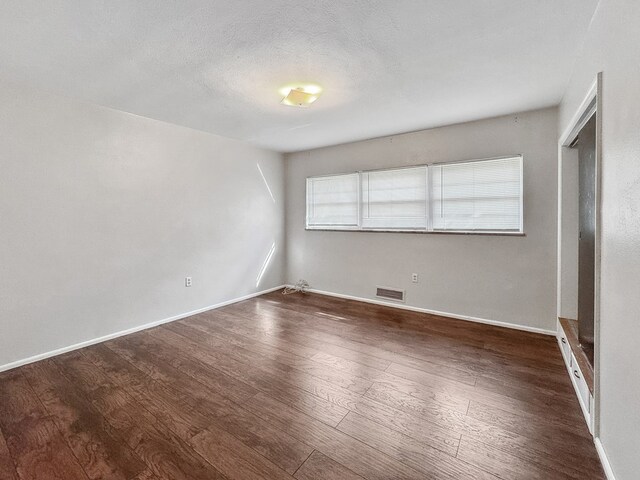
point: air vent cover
(390, 294)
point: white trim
(495, 323)
(583, 113)
(559, 239)
(86, 343)
(606, 466)
(421, 231)
(598, 259)
(581, 116)
(579, 119)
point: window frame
(332, 227)
(395, 229)
(429, 216)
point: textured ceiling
(386, 66)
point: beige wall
(612, 47)
(499, 278)
(103, 214)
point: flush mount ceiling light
(300, 95)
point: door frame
(592, 104)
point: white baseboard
(495, 323)
(104, 338)
(606, 466)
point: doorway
(586, 145)
(579, 246)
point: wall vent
(390, 294)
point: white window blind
(479, 195)
(332, 201)
(483, 195)
(395, 198)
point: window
(394, 198)
(474, 196)
(332, 201)
(477, 196)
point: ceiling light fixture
(300, 95)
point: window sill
(421, 232)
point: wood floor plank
(351, 453)
(217, 418)
(176, 405)
(554, 403)
(456, 397)
(507, 467)
(353, 315)
(459, 397)
(412, 426)
(292, 353)
(531, 426)
(42, 454)
(295, 378)
(228, 454)
(151, 362)
(290, 339)
(289, 368)
(395, 352)
(548, 386)
(340, 364)
(34, 442)
(463, 334)
(500, 438)
(307, 393)
(7, 468)
(390, 351)
(275, 445)
(282, 359)
(187, 362)
(147, 474)
(158, 388)
(438, 413)
(233, 458)
(356, 312)
(438, 397)
(101, 452)
(321, 467)
(513, 371)
(164, 452)
(305, 386)
(432, 462)
(437, 437)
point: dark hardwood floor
(299, 386)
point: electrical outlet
(414, 277)
(187, 281)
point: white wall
(500, 278)
(612, 47)
(103, 214)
